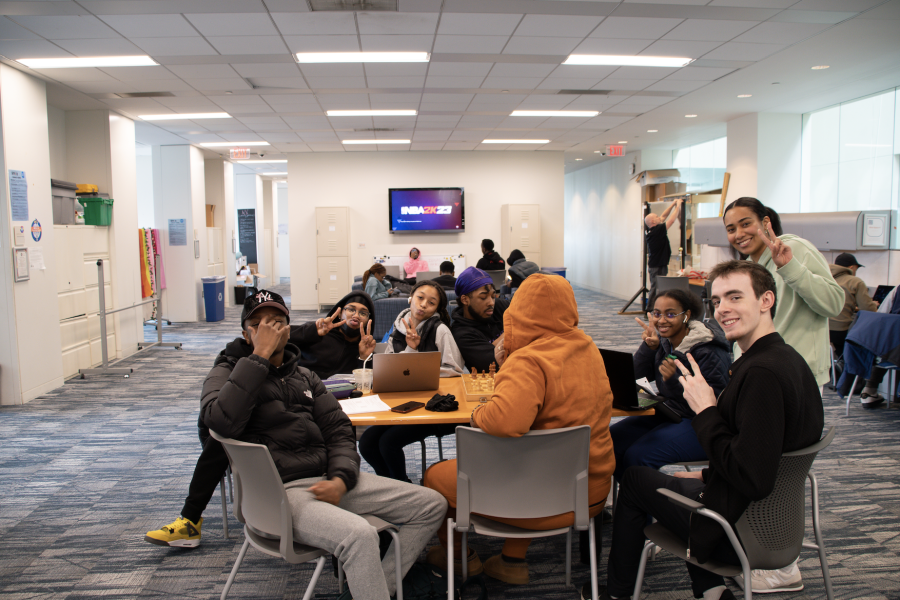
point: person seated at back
(519, 268)
(490, 261)
(423, 327)
(374, 283)
(446, 278)
(257, 392)
(326, 346)
(771, 405)
(675, 329)
(414, 265)
(553, 377)
(478, 320)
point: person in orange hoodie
(553, 377)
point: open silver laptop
(406, 372)
(393, 270)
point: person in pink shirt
(414, 265)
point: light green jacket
(806, 297)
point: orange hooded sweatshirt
(553, 376)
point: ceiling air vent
(143, 94)
(585, 92)
(344, 5)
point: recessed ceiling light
(652, 130)
(690, 116)
(275, 173)
(744, 95)
(88, 61)
(579, 159)
(820, 67)
(627, 61)
(375, 142)
(597, 151)
(371, 113)
(231, 144)
(554, 113)
(341, 57)
(261, 161)
(177, 117)
(624, 142)
(515, 142)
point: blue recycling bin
(214, 297)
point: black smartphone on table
(408, 407)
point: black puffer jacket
(285, 408)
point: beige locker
(332, 231)
(520, 226)
(334, 279)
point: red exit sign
(615, 150)
(239, 153)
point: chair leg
(594, 591)
(340, 567)
(320, 564)
(230, 486)
(441, 447)
(234, 569)
(398, 570)
(450, 573)
(224, 508)
(615, 495)
(423, 460)
(569, 557)
(820, 543)
(639, 582)
(852, 387)
(464, 553)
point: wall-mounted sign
(239, 153)
(18, 195)
(20, 264)
(36, 230)
(177, 232)
(247, 233)
(615, 150)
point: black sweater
(771, 405)
(326, 355)
(491, 262)
(475, 338)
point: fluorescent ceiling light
(275, 173)
(820, 67)
(744, 95)
(515, 142)
(232, 144)
(88, 61)
(554, 113)
(371, 113)
(262, 161)
(652, 130)
(868, 145)
(624, 142)
(627, 61)
(579, 159)
(690, 116)
(375, 141)
(596, 151)
(176, 117)
(341, 57)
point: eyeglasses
(669, 315)
(349, 310)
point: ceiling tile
(267, 70)
(582, 71)
(322, 43)
(705, 30)
(496, 101)
(261, 121)
(67, 28)
(557, 25)
(467, 136)
(700, 73)
(460, 145)
(396, 43)
(161, 85)
(610, 46)
(143, 106)
(679, 48)
(177, 46)
(326, 146)
(225, 84)
(333, 70)
(478, 24)
(604, 122)
(239, 100)
(11, 31)
(203, 71)
(318, 23)
(453, 82)
(521, 70)
(743, 51)
(426, 146)
(233, 24)
(16, 49)
(326, 83)
(781, 33)
(459, 69)
(299, 102)
(381, 23)
(248, 44)
(505, 83)
(634, 27)
(308, 123)
(291, 83)
(646, 101)
(754, 3)
(188, 103)
(616, 83)
(82, 74)
(642, 72)
(318, 136)
(150, 25)
(281, 137)
(395, 98)
(139, 73)
(544, 102)
(398, 123)
(430, 136)
(541, 45)
(568, 83)
(396, 69)
(396, 82)
(440, 121)
(520, 123)
(846, 5)
(459, 98)
(100, 87)
(481, 121)
(673, 85)
(98, 47)
(343, 101)
(469, 44)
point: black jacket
(491, 261)
(772, 405)
(474, 338)
(448, 282)
(286, 408)
(707, 344)
(332, 353)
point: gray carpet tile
(87, 469)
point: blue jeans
(653, 442)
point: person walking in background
(658, 247)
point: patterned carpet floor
(86, 470)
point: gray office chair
(540, 474)
(262, 506)
(498, 277)
(771, 529)
(230, 497)
(892, 384)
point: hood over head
(356, 296)
(544, 305)
(515, 256)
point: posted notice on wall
(36, 259)
(177, 232)
(18, 195)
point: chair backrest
(261, 499)
(673, 283)
(386, 311)
(772, 529)
(499, 277)
(426, 275)
(540, 474)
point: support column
(220, 193)
(270, 224)
(284, 243)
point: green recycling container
(97, 211)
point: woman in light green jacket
(807, 294)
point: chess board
(478, 389)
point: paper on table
(355, 406)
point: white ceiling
(489, 57)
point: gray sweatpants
(417, 511)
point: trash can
(214, 297)
(97, 211)
(554, 271)
(240, 294)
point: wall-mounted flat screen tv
(427, 210)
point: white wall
(360, 181)
(778, 161)
(270, 209)
(284, 240)
(220, 193)
(144, 174)
(56, 124)
(742, 157)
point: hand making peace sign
(650, 336)
(412, 336)
(781, 252)
(366, 342)
(696, 391)
(323, 326)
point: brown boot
(437, 556)
(514, 573)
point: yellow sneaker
(182, 533)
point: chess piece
(474, 372)
(493, 370)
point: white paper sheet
(36, 257)
(355, 406)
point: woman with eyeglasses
(423, 327)
(674, 330)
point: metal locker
(332, 231)
(521, 229)
(334, 279)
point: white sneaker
(769, 582)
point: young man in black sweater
(771, 406)
(491, 261)
(478, 320)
